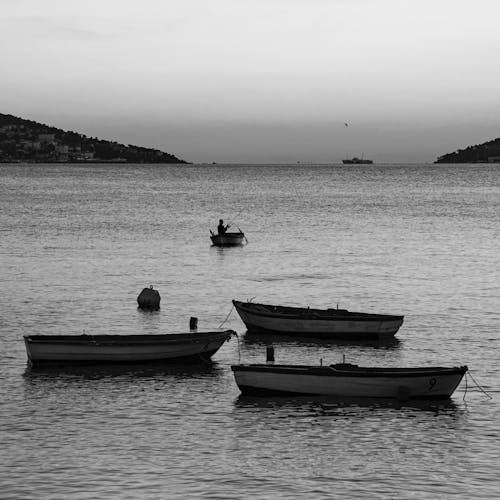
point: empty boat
(345, 380)
(326, 323)
(98, 349)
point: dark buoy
(149, 299)
(193, 323)
(269, 354)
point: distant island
(28, 141)
(488, 152)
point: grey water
(79, 242)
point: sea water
(79, 242)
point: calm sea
(79, 242)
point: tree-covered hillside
(480, 153)
(30, 141)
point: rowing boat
(97, 349)
(345, 380)
(228, 239)
(325, 323)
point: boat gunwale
(231, 235)
(309, 314)
(355, 371)
(129, 340)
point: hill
(488, 152)
(29, 141)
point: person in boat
(221, 228)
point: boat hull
(228, 239)
(432, 383)
(97, 349)
(319, 324)
(357, 161)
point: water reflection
(130, 371)
(265, 339)
(332, 407)
(224, 251)
(148, 322)
(148, 314)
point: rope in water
(235, 333)
(239, 351)
(227, 317)
(477, 385)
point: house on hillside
(47, 138)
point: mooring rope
(227, 317)
(239, 351)
(477, 385)
(235, 334)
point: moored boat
(325, 323)
(228, 239)
(345, 380)
(97, 349)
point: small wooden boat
(348, 381)
(228, 239)
(325, 323)
(97, 349)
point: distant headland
(488, 152)
(28, 141)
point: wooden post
(269, 354)
(193, 323)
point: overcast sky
(259, 80)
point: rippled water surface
(78, 243)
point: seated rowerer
(221, 228)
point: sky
(257, 81)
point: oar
(246, 239)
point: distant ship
(357, 161)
